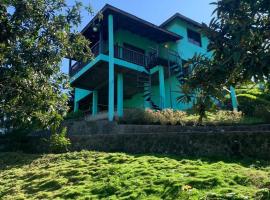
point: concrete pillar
(234, 99)
(76, 106)
(120, 93)
(161, 87)
(111, 69)
(95, 103)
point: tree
(35, 36)
(201, 90)
(239, 39)
(240, 46)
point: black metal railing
(130, 55)
(96, 49)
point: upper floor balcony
(120, 52)
(124, 30)
(158, 56)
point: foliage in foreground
(92, 175)
(176, 117)
(239, 52)
(35, 36)
(59, 142)
(254, 100)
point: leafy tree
(199, 89)
(240, 47)
(35, 36)
(239, 39)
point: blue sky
(154, 11)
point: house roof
(183, 18)
(130, 22)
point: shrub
(58, 142)
(226, 116)
(133, 116)
(167, 116)
(75, 115)
(254, 102)
(262, 112)
(176, 117)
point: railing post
(101, 40)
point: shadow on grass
(15, 159)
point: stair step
(147, 94)
(173, 66)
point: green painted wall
(184, 47)
(122, 36)
(186, 50)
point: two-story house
(137, 64)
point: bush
(58, 142)
(175, 117)
(167, 116)
(254, 103)
(75, 115)
(262, 112)
(228, 117)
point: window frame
(192, 39)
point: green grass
(93, 175)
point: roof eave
(114, 9)
(181, 17)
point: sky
(154, 11)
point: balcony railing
(125, 54)
(96, 50)
(130, 55)
(120, 52)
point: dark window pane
(194, 37)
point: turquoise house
(137, 64)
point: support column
(234, 99)
(161, 87)
(120, 95)
(95, 103)
(111, 69)
(76, 106)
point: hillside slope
(93, 175)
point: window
(194, 37)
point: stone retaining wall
(104, 127)
(213, 141)
(217, 144)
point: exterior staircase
(144, 83)
(144, 78)
(177, 68)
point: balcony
(129, 55)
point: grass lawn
(93, 175)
